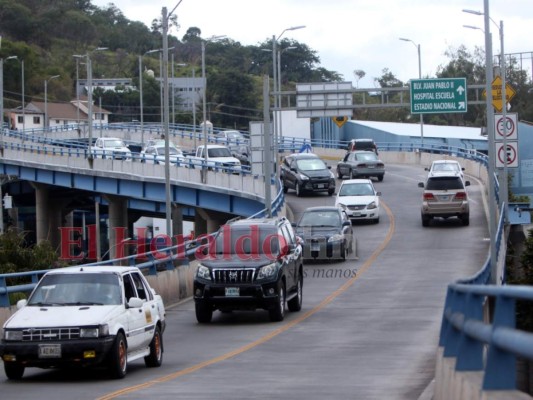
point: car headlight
(94, 332)
(304, 177)
(203, 272)
(267, 271)
(335, 238)
(372, 206)
(12, 335)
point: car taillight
(380, 165)
(460, 196)
(361, 165)
(429, 196)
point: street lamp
(204, 111)
(276, 89)
(504, 196)
(90, 96)
(22, 89)
(490, 136)
(141, 90)
(46, 124)
(419, 77)
(280, 52)
(168, 205)
(174, 87)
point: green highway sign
(435, 96)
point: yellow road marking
(272, 334)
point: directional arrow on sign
(461, 90)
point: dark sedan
(361, 164)
(327, 233)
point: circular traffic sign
(509, 126)
(510, 155)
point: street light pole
(46, 124)
(168, 204)
(490, 138)
(280, 132)
(419, 77)
(141, 90)
(276, 91)
(204, 111)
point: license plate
(315, 246)
(371, 166)
(321, 186)
(49, 351)
(232, 292)
(444, 198)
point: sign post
(436, 96)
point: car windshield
(319, 218)
(219, 152)
(114, 143)
(77, 289)
(356, 189)
(234, 135)
(245, 240)
(444, 183)
(173, 151)
(311, 164)
(445, 167)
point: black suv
(250, 264)
(306, 172)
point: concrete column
(48, 215)
(206, 221)
(118, 220)
(177, 220)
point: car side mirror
(329, 166)
(135, 302)
(293, 169)
(21, 303)
(426, 169)
(346, 223)
(467, 183)
(378, 193)
(421, 184)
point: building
(59, 114)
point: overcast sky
(353, 35)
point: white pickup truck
(111, 147)
(218, 158)
(86, 317)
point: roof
(66, 111)
(93, 269)
(430, 131)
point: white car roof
(92, 269)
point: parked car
(155, 154)
(306, 172)
(360, 200)
(362, 144)
(327, 233)
(111, 147)
(251, 264)
(445, 167)
(445, 196)
(361, 164)
(86, 317)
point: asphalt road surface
(368, 328)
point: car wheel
(465, 219)
(298, 189)
(353, 175)
(425, 220)
(295, 304)
(380, 178)
(155, 358)
(204, 313)
(13, 370)
(331, 192)
(339, 174)
(119, 357)
(285, 188)
(278, 312)
(376, 220)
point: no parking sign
(511, 155)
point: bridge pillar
(48, 215)
(177, 220)
(118, 220)
(206, 221)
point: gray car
(361, 164)
(445, 196)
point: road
(368, 328)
